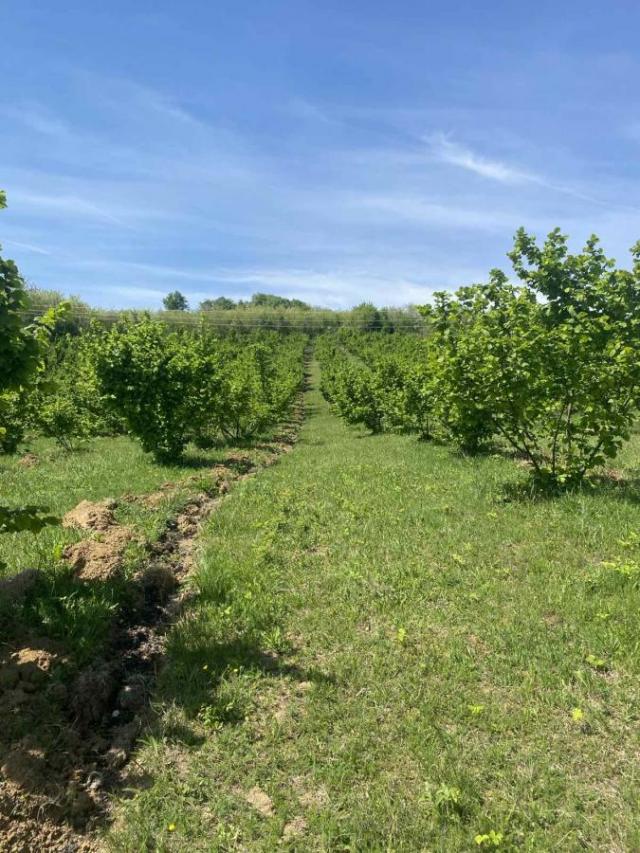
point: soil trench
(55, 792)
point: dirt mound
(25, 768)
(240, 462)
(294, 829)
(32, 800)
(221, 475)
(25, 671)
(159, 580)
(99, 559)
(27, 829)
(92, 691)
(189, 519)
(34, 664)
(89, 515)
(154, 500)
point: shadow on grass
(179, 733)
(619, 486)
(312, 409)
(609, 484)
(195, 460)
(193, 675)
(614, 483)
(203, 460)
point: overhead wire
(232, 322)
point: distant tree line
(262, 309)
(364, 316)
(258, 300)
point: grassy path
(389, 653)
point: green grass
(101, 468)
(80, 615)
(402, 652)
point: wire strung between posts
(239, 322)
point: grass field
(81, 615)
(100, 468)
(395, 648)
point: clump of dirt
(99, 559)
(91, 693)
(294, 829)
(26, 824)
(89, 515)
(222, 475)
(133, 695)
(260, 801)
(616, 475)
(31, 791)
(40, 807)
(317, 799)
(25, 671)
(154, 500)
(240, 462)
(25, 768)
(28, 460)
(159, 580)
(15, 588)
(34, 664)
(123, 740)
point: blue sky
(335, 151)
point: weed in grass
(489, 839)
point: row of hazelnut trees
(546, 363)
(166, 387)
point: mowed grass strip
(394, 649)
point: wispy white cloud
(421, 211)
(158, 195)
(128, 98)
(69, 204)
(59, 198)
(151, 99)
(338, 287)
(28, 247)
(443, 149)
(308, 111)
(155, 271)
(40, 120)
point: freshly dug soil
(89, 515)
(65, 741)
(99, 559)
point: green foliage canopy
(547, 363)
(175, 301)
